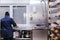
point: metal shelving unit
(22, 38)
(54, 17)
(23, 35)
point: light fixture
(34, 1)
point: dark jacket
(6, 26)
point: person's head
(7, 14)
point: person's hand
(15, 27)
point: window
(18, 14)
(3, 9)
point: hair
(7, 14)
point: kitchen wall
(14, 1)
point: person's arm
(13, 22)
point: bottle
(27, 35)
(56, 38)
(22, 34)
(57, 31)
(53, 29)
(55, 23)
(53, 36)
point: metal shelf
(54, 10)
(22, 38)
(19, 38)
(55, 18)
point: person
(6, 26)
